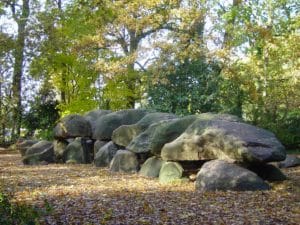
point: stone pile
(219, 151)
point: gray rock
(97, 145)
(96, 114)
(218, 175)
(158, 134)
(170, 172)
(39, 147)
(93, 115)
(225, 140)
(124, 134)
(74, 152)
(154, 117)
(290, 161)
(72, 126)
(124, 161)
(219, 116)
(168, 132)
(39, 156)
(141, 143)
(151, 167)
(268, 172)
(106, 124)
(24, 145)
(105, 154)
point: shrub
(18, 213)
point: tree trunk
(18, 68)
(132, 79)
(1, 113)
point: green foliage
(114, 54)
(286, 127)
(17, 213)
(263, 87)
(43, 115)
(193, 87)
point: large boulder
(60, 147)
(290, 161)
(44, 157)
(154, 117)
(93, 115)
(218, 175)
(225, 140)
(72, 126)
(74, 152)
(158, 134)
(39, 147)
(124, 134)
(151, 167)
(105, 154)
(97, 145)
(141, 143)
(124, 161)
(39, 153)
(106, 124)
(96, 114)
(219, 116)
(168, 132)
(268, 172)
(170, 172)
(23, 145)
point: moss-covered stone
(74, 152)
(124, 134)
(168, 132)
(151, 167)
(170, 172)
(226, 140)
(97, 145)
(124, 161)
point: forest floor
(84, 194)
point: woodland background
(182, 56)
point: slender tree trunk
(18, 68)
(63, 94)
(1, 113)
(132, 79)
(63, 89)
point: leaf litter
(85, 194)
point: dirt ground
(84, 194)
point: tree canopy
(180, 56)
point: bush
(18, 213)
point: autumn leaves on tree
(189, 56)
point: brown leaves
(84, 194)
